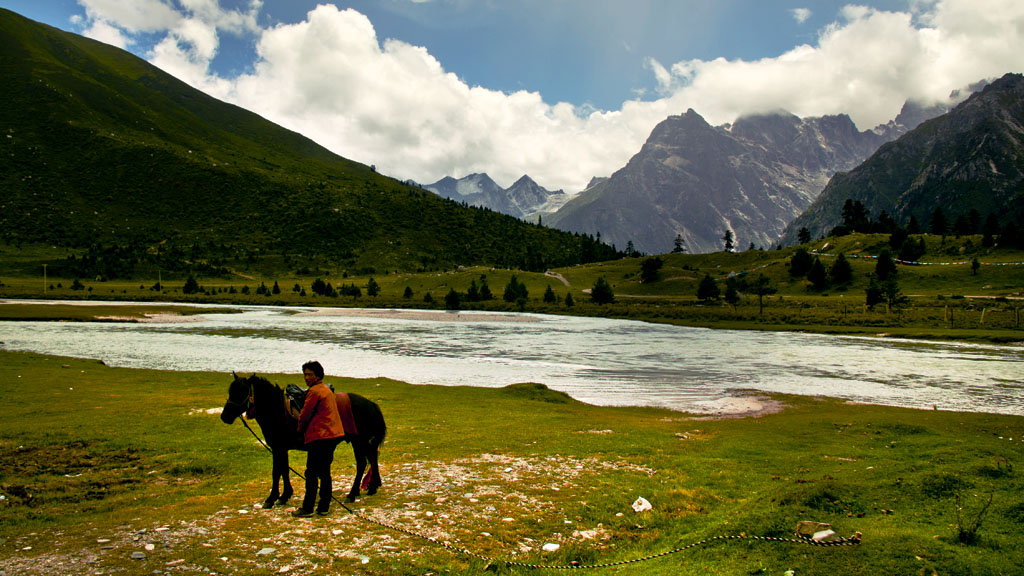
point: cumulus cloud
(393, 104)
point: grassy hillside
(101, 150)
(87, 484)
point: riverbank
(166, 310)
(518, 473)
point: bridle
(248, 400)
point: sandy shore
(155, 318)
(745, 406)
(428, 315)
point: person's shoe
(322, 512)
(302, 513)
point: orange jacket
(319, 419)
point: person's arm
(308, 410)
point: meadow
(112, 470)
(944, 298)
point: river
(595, 360)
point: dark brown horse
(259, 396)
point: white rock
(642, 505)
(551, 547)
(823, 535)
(265, 551)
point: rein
(491, 561)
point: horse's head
(239, 399)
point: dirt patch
(72, 472)
(495, 505)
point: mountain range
(753, 177)
(969, 159)
(524, 199)
(695, 181)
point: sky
(560, 90)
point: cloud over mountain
(391, 103)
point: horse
(258, 396)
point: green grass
(96, 462)
(944, 301)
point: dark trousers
(319, 456)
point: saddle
(295, 399)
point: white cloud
(801, 15)
(105, 32)
(394, 105)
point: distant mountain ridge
(524, 199)
(969, 158)
(697, 181)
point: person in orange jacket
(321, 429)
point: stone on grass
(642, 505)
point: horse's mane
(265, 382)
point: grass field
(100, 463)
(945, 299)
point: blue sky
(562, 90)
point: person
(321, 430)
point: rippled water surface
(610, 362)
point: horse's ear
(234, 374)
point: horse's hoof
(352, 497)
(283, 500)
(371, 491)
(269, 503)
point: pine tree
(473, 293)
(707, 289)
(817, 276)
(800, 263)
(549, 296)
(762, 287)
(602, 293)
(728, 240)
(452, 301)
(732, 293)
(886, 267)
(680, 245)
(841, 272)
(649, 269)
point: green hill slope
(101, 148)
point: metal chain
(853, 541)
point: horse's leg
(276, 475)
(359, 449)
(375, 480)
(285, 472)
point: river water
(600, 361)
